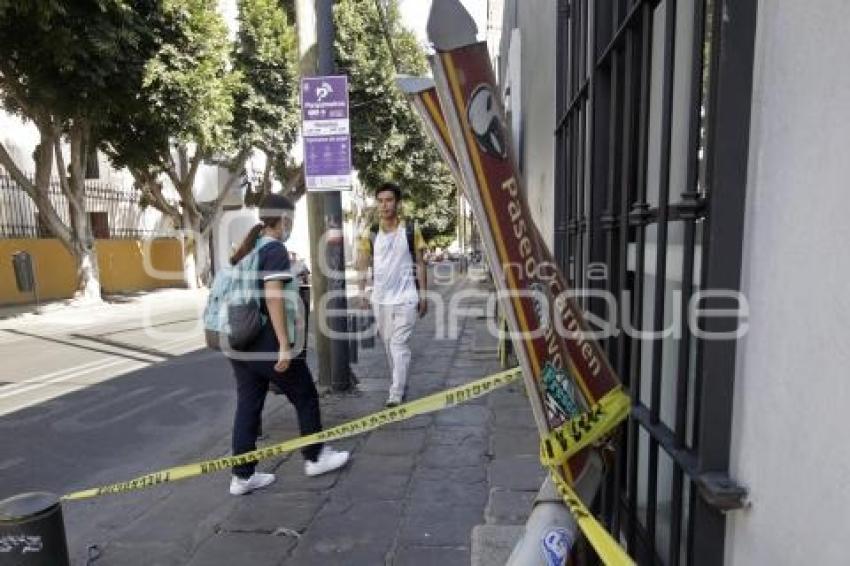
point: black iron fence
(114, 211)
(652, 133)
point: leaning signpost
(567, 375)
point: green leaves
(72, 59)
(189, 83)
(266, 112)
(387, 138)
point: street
(157, 407)
(66, 349)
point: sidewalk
(412, 494)
(62, 309)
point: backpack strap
(409, 231)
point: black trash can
(32, 532)
(24, 272)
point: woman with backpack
(278, 361)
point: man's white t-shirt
(393, 269)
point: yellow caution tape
(570, 438)
(611, 553)
(583, 430)
(429, 404)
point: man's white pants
(395, 324)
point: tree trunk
(266, 186)
(192, 244)
(88, 273)
(83, 245)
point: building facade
(683, 156)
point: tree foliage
(205, 99)
(388, 140)
(266, 112)
(66, 66)
(186, 95)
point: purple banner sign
(325, 129)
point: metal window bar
(690, 209)
(603, 125)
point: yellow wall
(54, 269)
(121, 262)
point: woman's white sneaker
(240, 486)
(328, 461)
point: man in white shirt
(393, 249)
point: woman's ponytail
(247, 244)
(270, 210)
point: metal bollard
(32, 532)
(551, 531)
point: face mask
(286, 225)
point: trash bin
(32, 532)
(24, 272)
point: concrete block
(508, 507)
(519, 473)
(492, 544)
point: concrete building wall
(792, 391)
(528, 41)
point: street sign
(325, 129)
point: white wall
(534, 132)
(793, 377)
(20, 138)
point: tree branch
(195, 164)
(77, 174)
(171, 171)
(38, 191)
(294, 185)
(266, 187)
(183, 158)
(12, 168)
(148, 184)
(13, 88)
(60, 167)
(214, 209)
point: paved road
(102, 394)
(68, 349)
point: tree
(180, 117)
(205, 100)
(266, 115)
(388, 141)
(61, 64)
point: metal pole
(335, 249)
(305, 14)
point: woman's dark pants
(252, 385)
